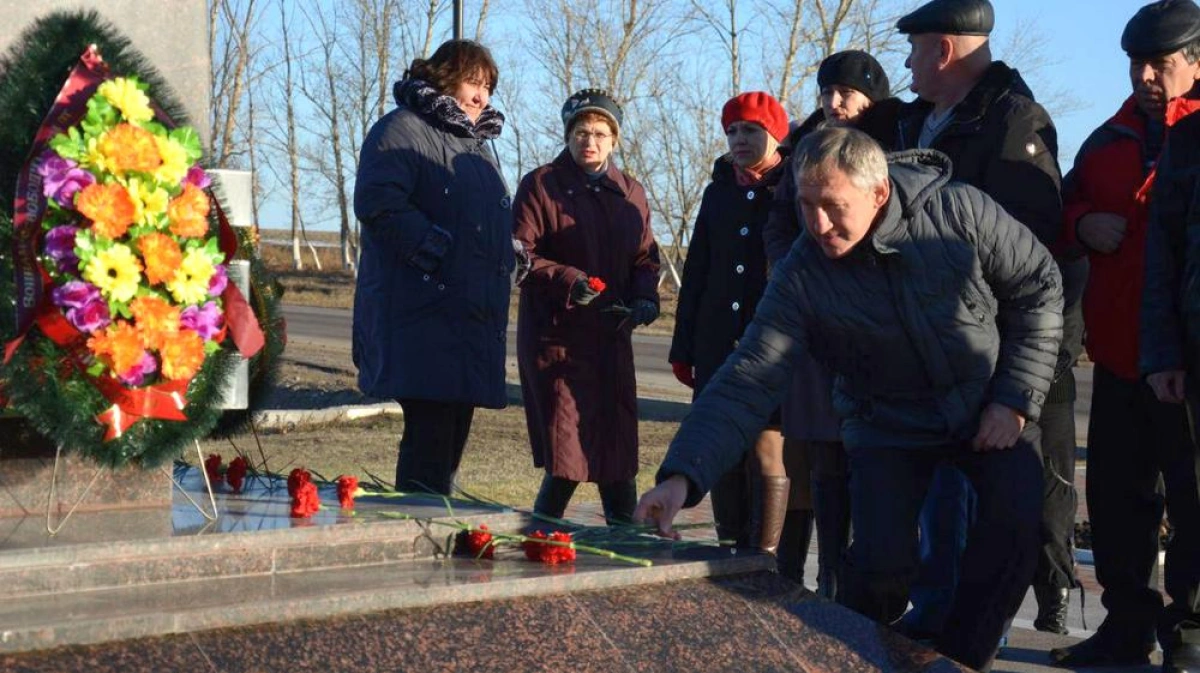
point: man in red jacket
(1132, 436)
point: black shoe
(1052, 609)
(1100, 650)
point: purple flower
(62, 178)
(137, 374)
(197, 176)
(205, 320)
(69, 265)
(216, 284)
(60, 242)
(90, 317)
(75, 294)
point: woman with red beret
(723, 279)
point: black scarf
(443, 111)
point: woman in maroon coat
(593, 277)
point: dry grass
(496, 462)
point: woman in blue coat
(431, 304)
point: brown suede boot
(774, 511)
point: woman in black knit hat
(854, 91)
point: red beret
(758, 107)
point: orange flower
(162, 256)
(157, 320)
(188, 212)
(130, 148)
(182, 356)
(118, 346)
(108, 207)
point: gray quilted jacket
(948, 305)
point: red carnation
(596, 284)
(212, 466)
(296, 479)
(346, 486)
(533, 548)
(236, 474)
(476, 543)
(550, 554)
(305, 502)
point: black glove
(643, 312)
(582, 294)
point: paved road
(331, 327)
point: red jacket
(1110, 177)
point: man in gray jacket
(940, 316)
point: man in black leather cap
(1163, 42)
(981, 114)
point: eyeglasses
(598, 136)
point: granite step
(139, 609)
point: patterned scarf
(443, 111)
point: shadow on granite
(749, 622)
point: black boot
(732, 505)
(1052, 609)
(831, 507)
(1181, 646)
(1104, 649)
(794, 543)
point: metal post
(458, 19)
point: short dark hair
(453, 63)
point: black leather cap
(949, 17)
(1161, 28)
(857, 70)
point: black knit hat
(1161, 28)
(591, 100)
(857, 70)
(949, 17)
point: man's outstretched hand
(661, 504)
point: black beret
(1161, 28)
(857, 70)
(591, 100)
(949, 17)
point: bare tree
(292, 141)
(233, 26)
(729, 31)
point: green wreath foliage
(39, 382)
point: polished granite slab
(753, 621)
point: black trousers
(1132, 440)
(1056, 558)
(887, 490)
(432, 444)
(619, 498)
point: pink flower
(196, 176)
(220, 279)
(91, 316)
(205, 320)
(60, 246)
(75, 294)
(62, 178)
(137, 375)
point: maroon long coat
(576, 362)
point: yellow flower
(124, 94)
(175, 165)
(116, 271)
(190, 283)
(150, 203)
(94, 158)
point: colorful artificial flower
(92, 316)
(108, 206)
(74, 294)
(188, 212)
(218, 282)
(162, 256)
(62, 178)
(476, 543)
(206, 320)
(157, 320)
(136, 376)
(596, 284)
(306, 501)
(174, 167)
(189, 285)
(60, 247)
(347, 488)
(124, 94)
(127, 148)
(236, 474)
(149, 202)
(196, 176)
(118, 346)
(212, 467)
(297, 478)
(116, 271)
(182, 356)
